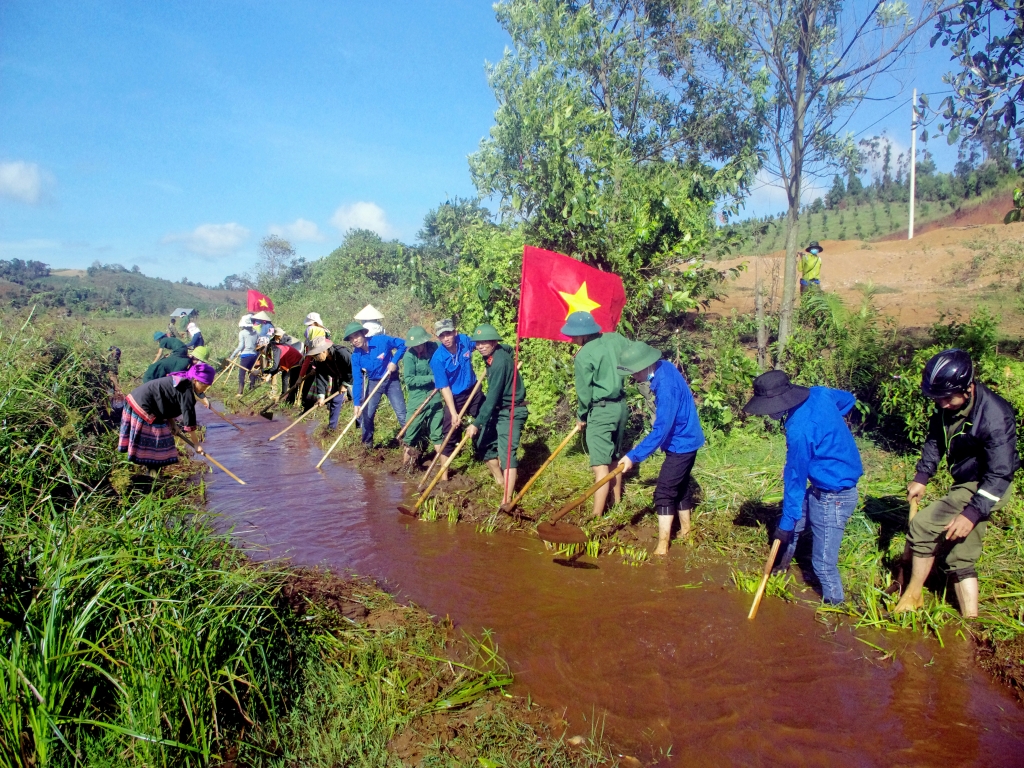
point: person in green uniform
(419, 383)
(172, 346)
(174, 364)
(494, 421)
(600, 398)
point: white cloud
(768, 195)
(363, 216)
(211, 239)
(299, 231)
(21, 181)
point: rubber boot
(684, 521)
(967, 596)
(665, 515)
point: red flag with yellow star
(259, 303)
(555, 286)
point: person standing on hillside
(419, 384)
(676, 431)
(378, 357)
(822, 470)
(452, 364)
(810, 267)
(314, 329)
(331, 365)
(173, 346)
(495, 423)
(245, 353)
(600, 399)
(976, 430)
(147, 429)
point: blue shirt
(819, 448)
(381, 350)
(454, 371)
(676, 427)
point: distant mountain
(107, 289)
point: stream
(661, 657)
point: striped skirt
(151, 445)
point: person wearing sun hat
(377, 357)
(245, 352)
(494, 421)
(600, 398)
(822, 469)
(173, 363)
(331, 368)
(283, 358)
(169, 344)
(314, 329)
(419, 384)
(371, 318)
(676, 431)
(810, 267)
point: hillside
(113, 289)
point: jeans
(393, 389)
(827, 512)
(334, 410)
(246, 362)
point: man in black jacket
(976, 430)
(332, 369)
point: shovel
(455, 426)
(209, 458)
(764, 579)
(353, 421)
(566, 533)
(507, 508)
(304, 415)
(414, 512)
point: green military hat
(637, 357)
(486, 332)
(202, 354)
(417, 335)
(580, 324)
(351, 329)
(157, 335)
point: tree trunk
(762, 328)
(796, 167)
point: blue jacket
(382, 350)
(676, 427)
(454, 370)
(819, 448)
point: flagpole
(515, 375)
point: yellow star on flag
(263, 303)
(579, 301)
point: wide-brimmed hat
(157, 335)
(351, 329)
(245, 321)
(485, 332)
(320, 345)
(417, 335)
(369, 312)
(637, 357)
(813, 244)
(580, 324)
(200, 353)
(262, 315)
(775, 393)
(447, 325)
(313, 318)
(262, 341)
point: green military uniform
(601, 401)
(175, 346)
(170, 364)
(493, 420)
(419, 383)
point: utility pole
(913, 162)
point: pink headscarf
(201, 372)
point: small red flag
(554, 286)
(259, 303)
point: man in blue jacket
(378, 357)
(452, 364)
(676, 430)
(821, 474)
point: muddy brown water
(673, 672)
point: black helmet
(948, 373)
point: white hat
(369, 312)
(192, 328)
(313, 318)
(245, 322)
(262, 316)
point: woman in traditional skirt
(147, 422)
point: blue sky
(175, 135)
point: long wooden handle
(305, 414)
(415, 414)
(561, 446)
(210, 458)
(913, 509)
(229, 421)
(764, 579)
(570, 506)
(423, 496)
(455, 426)
(347, 426)
(231, 364)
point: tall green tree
(607, 150)
(804, 67)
